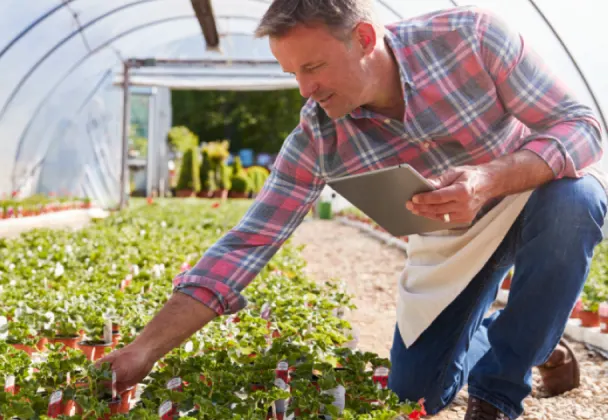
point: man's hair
(340, 16)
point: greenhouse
(107, 198)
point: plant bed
(228, 368)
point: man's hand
(131, 364)
(181, 317)
(461, 192)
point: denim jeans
(551, 245)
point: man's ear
(365, 34)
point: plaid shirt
(473, 92)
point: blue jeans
(551, 245)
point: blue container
(246, 156)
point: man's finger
(441, 196)
(109, 358)
(445, 179)
(443, 208)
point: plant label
(9, 384)
(3, 327)
(55, 404)
(265, 312)
(114, 393)
(175, 384)
(380, 377)
(107, 330)
(282, 371)
(164, 411)
(339, 395)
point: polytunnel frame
(65, 4)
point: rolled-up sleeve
(229, 265)
(564, 132)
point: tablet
(381, 194)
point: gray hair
(340, 16)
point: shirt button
(387, 121)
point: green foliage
(189, 177)
(221, 363)
(259, 120)
(223, 173)
(206, 172)
(258, 176)
(595, 290)
(182, 139)
(239, 180)
(240, 183)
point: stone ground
(370, 270)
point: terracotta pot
(115, 408)
(115, 339)
(184, 193)
(234, 194)
(576, 312)
(68, 342)
(125, 400)
(29, 350)
(41, 345)
(589, 319)
(604, 324)
(94, 350)
(204, 194)
(220, 194)
(70, 408)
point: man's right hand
(131, 364)
(181, 317)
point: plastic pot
(94, 350)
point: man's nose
(307, 86)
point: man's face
(327, 69)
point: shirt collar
(394, 43)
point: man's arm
(565, 134)
(213, 286)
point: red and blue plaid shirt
(473, 92)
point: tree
(259, 120)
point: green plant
(258, 176)
(189, 178)
(206, 172)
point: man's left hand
(460, 193)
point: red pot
(29, 350)
(589, 319)
(576, 312)
(93, 350)
(604, 324)
(68, 342)
(184, 193)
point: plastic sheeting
(60, 60)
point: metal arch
(570, 56)
(32, 25)
(576, 66)
(61, 43)
(78, 64)
(96, 50)
(206, 19)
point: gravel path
(370, 270)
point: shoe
(561, 372)
(480, 410)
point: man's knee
(569, 205)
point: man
(464, 101)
